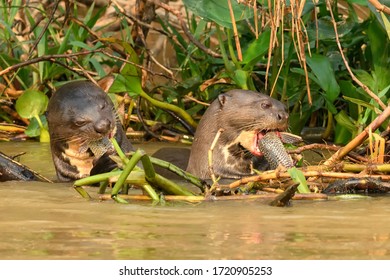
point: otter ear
(223, 99)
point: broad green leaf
(344, 120)
(218, 11)
(342, 135)
(256, 49)
(380, 51)
(365, 78)
(240, 78)
(298, 177)
(32, 103)
(324, 73)
(129, 79)
(324, 29)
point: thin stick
(210, 155)
(380, 7)
(186, 31)
(311, 196)
(51, 57)
(311, 173)
(235, 32)
(51, 18)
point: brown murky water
(51, 221)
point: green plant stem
(157, 180)
(231, 49)
(82, 192)
(103, 187)
(126, 171)
(39, 121)
(151, 192)
(119, 151)
(169, 107)
(180, 172)
(222, 49)
(96, 178)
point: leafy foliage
(288, 51)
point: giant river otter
(244, 117)
(81, 118)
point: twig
(186, 31)
(380, 7)
(196, 100)
(358, 139)
(51, 57)
(335, 148)
(51, 18)
(85, 72)
(356, 80)
(235, 32)
(136, 65)
(312, 196)
(270, 175)
(210, 155)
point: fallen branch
(272, 175)
(311, 196)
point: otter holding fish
(244, 118)
(81, 119)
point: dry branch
(358, 139)
(380, 7)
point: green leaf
(298, 177)
(241, 78)
(323, 71)
(32, 103)
(218, 11)
(386, 24)
(345, 121)
(256, 49)
(380, 50)
(363, 103)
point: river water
(52, 221)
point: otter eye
(102, 106)
(80, 123)
(265, 105)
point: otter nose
(103, 126)
(282, 116)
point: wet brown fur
(80, 112)
(241, 114)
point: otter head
(246, 116)
(81, 111)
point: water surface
(51, 221)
